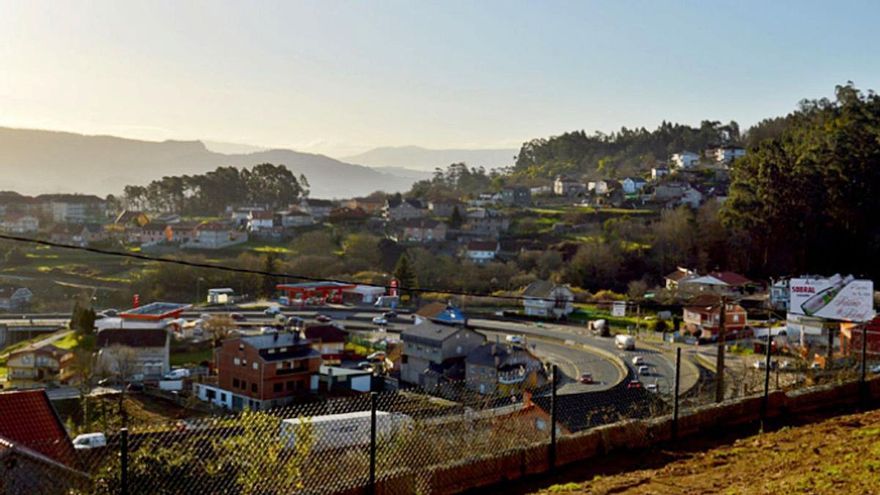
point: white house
(685, 159)
(20, 224)
(223, 295)
(215, 235)
(659, 172)
(543, 298)
(726, 154)
(295, 217)
(632, 185)
(566, 186)
(260, 221)
(481, 251)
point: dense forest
(208, 194)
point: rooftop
(135, 337)
(27, 418)
(155, 311)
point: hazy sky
(340, 77)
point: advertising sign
(833, 298)
(394, 285)
(618, 308)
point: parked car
(237, 316)
(586, 378)
(514, 339)
(89, 441)
(177, 374)
(389, 315)
(638, 361)
(135, 387)
(380, 320)
(644, 370)
(295, 322)
(875, 369)
(323, 319)
(272, 310)
(634, 384)
(652, 387)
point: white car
(89, 441)
(514, 339)
(177, 374)
(652, 387)
(638, 361)
(380, 320)
(875, 369)
(643, 370)
(272, 310)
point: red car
(634, 384)
(586, 378)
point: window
(235, 382)
(290, 386)
(222, 397)
(240, 347)
(244, 362)
(236, 361)
(277, 387)
(736, 318)
(243, 385)
(271, 351)
(210, 394)
(256, 366)
(254, 387)
(283, 349)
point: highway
(572, 348)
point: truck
(625, 342)
(343, 431)
(387, 302)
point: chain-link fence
(403, 440)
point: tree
(219, 327)
(404, 274)
(259, 459)
(455, 220)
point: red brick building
(702, 316)
(262, 372)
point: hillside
(68, 162)
(415, 157)
(838, 455)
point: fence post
(123, 461)
(373, 401)
(675, 393)
(863, 387)
(766, 379)
(553, 382)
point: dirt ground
(836, 455)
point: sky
(340, 77)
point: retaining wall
(625, 435)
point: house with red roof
(36, 454)
(137, 351)
(717, 282)
(329, 340)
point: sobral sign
(833, 298)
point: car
(109, 313)
(389, 315)
(380, 320)
(323, 319)
(652, 387)
(272, 310)
(638, 361)
(237, 316)
(759, 365)
(514, 339)
(295, 322)
(784, 365)
(89, 441)
(365, 365)
(634, 384)
(268, 330)
(875, 369)
(586, 378)
(644, 370)
(177, 374)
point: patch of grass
(563, 488)
(192, 357)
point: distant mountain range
(37, 161)
(414, 157)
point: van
(342, 431)
(625, 342)
(89, 441)
(177, 374)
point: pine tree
(404, 274)
(455, 220)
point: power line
(249, 271)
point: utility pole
(719, 360)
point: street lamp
(198, 288)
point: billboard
(833, 298)
(618, 308)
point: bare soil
(836, 455)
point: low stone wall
(622, 436)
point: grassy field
(838, 455)
(192, 357)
